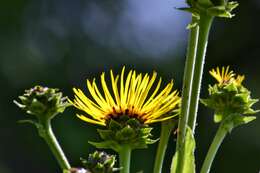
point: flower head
(226, 76)
(229, 96)
(129, 97)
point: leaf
(189, 158)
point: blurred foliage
(61, 43)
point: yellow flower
(130, 97)
(226, 76)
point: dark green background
(49, 43)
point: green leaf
(189, 158)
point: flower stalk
(187, 88)
(47, 134)
(166, 129)
(220, 135)
(204, 29)
(125, 158)
(44, 104)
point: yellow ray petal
(82, 117)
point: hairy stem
(204, 29)
(186, 91)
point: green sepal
(105, 134)
(219, 11)
(233, 120)
(232, 5)
(189, 158)
(28, 121)
(240, 120)
(251, 111)
(229, 88)
(152, 141)
(127, 133)
(114, 126)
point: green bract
(42, 102)
(124, 131)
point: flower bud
(99, 162)
(43, 102)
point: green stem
(204, 29)
(125, 158)
(166, 129)
(52, 142)
(186, 91)
(220, 135)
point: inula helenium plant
(124, 107)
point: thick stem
(53, 144)
(204, 29)
(220, 135)
(125, 158)
(186, 91)
(166, 128)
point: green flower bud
(229, 96)
(125, 131)
(100, 162)
(42, 102)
